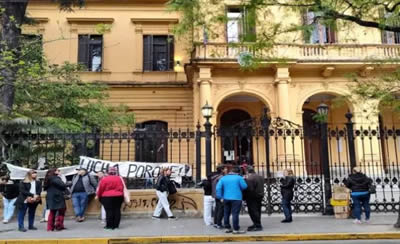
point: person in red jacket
(111, 195)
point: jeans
(361, 201)
(232, 207)
(219, 212)
(31, 214)
(79, 201)
(254, 207)
(8, 208)
(287, 208)
(112, 205)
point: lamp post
(323, 110)
(207, 111)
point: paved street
(132, 227)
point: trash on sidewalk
(340, 202)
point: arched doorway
(237, 120)
(336, 120)
(235, 134)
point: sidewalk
(310, 227)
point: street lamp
(207, 111)
(323, 110)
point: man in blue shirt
(229, 189)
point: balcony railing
(220, 52)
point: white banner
(125, 169)
(18, 173)
(136, 169)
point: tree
(52, 99)
(13, 15)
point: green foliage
(55, 96)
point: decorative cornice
(154, 20)
(76, 20)
(40, 19)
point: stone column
(204, 81)
(282, 80)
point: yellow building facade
(154, 74)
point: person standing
(9, 190)
(287, 186)
(162, 194)
(83, 185)
(101, 175)
(359, 185)
(254, 195)
(208, 200)
(55, 200)
(229, 189)
(219, 204)
(28, 199)
(111, 195)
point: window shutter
(249, 26)
(147, 53)
(83, 50)
(171, 52)
(331, 34)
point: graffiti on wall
(146, 202)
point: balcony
(301, 53)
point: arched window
(151, 141)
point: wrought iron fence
(320, 156)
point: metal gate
(272, 146)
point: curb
(214, 238)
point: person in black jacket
(9, 190)
(359, 185)
(287, 185)
(219, 204)
(162, 194)
(28, 199)
(254, 195)
(55, 199)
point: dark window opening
(319, 33)
(158, 53)
(241, 24)
(152, 142)
(90, 52)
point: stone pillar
(282, 80)
(204, 81)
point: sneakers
(155, 217)
(22, 229)
(43, 220)
(238, 232)
(228, 231)
(254, 228)
(357, 221)
(172, 218)
(367, 221)
(218, 226)
(5, 221)
(32, 228)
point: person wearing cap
(83, 186)
(28, 199)
(254, 195)
(111, 196)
